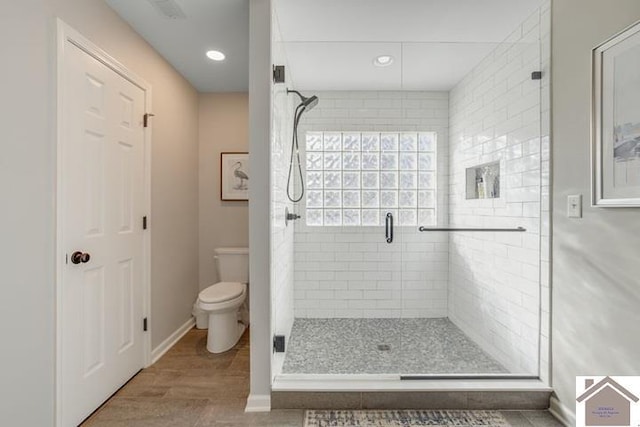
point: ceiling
(349, 65)
(330, 44)
(207, 24)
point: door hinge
(144, 222)
(145, 119)
(278, 343)
(278, 73)
(144, 324)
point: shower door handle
(388, 227)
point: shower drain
(384, 347)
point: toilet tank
(233, 264)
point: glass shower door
(348, 255)
(475, 310)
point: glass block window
(355, 178)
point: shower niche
(483, 181)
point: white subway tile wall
(495, 115)
(350, 271)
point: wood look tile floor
(190, 387)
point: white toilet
(223, 301)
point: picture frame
(615, 131)
(234, 176)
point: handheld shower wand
(306, 104)
(309, 103)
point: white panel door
(102, 176)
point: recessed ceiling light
(215, 55)
(383, 60)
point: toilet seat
(222, 292)
(221, 302)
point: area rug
(403, 418)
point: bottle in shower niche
(496, 187)
(480, 187)
(489, 177)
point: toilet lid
(221, 292)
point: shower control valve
(289, 216)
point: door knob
(80, 257)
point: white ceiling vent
(168, 8)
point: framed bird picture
(234, 176)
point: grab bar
(513, 230)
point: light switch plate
(574, 206)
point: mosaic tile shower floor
(384, 346)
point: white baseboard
(171, 340)
(258, 403)
(562, 413)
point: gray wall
(224, 126)
(596, 285)
(27, 178)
